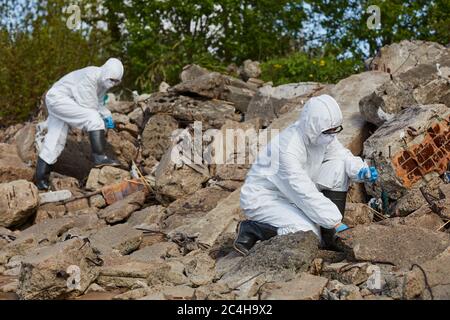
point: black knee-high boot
(98, 145)
(42, 174)
(249, 232)
(339, 198)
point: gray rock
(250, 69)
(60, 271)
(190, 208)
(192, 72)
(348, 92)
(105, 176)
(304, 287)
(120, 237)
(122, 209)
(11, 165)
(422, 83)
(156, 252)
(402, 56)
(209, 227)
(25, 142)
(211, 85)
(18, 201)
(406, 152)
(173, 183)
(212, 113)
(156, 137)
(399, 245)
(268, 101)
(437, 280)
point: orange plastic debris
(431, 155)
(119, 191)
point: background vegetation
(317, 40)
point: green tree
(160, 37)
(36, 49)
(344, 23)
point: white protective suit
(76, 100)
(285, 194)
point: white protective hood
(319, 114)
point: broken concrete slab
(293, 251)
(152, 215)
(127, 275)
(184, 210)
(173, 183)
(424, 217)
(121, 146)
(192, 72)
(422, 84)
(199, 268)
(47, 233)
(404, 55)
(210, 226)
(347, 273)
(18, 201)
(11, 165)
(24, 139)
(122, 107)
(409, 150)
(122, 209)
(156, 252)
(305, 287)
(436, 286)
(250, 69)
(212, 113)
(212, 85)
(399, 245)
(233, 149)
(347, 93)
(156, 137)
(171, 272)
(60, 271)
(268, 101)
(120, 237)
(98, 178)
(62, 182)
(357, 213)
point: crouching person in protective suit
(304, 187)
(76, 100)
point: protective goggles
(333, 130)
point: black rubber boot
(42, 174)
(339, 198)
(98, 144)
(249, 232)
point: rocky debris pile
(162, 225)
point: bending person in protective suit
(76, 100)
(300, 180)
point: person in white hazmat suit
(76, 100)
(299, 181)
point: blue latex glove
(109, 123)
(369, 174)
(341, 227)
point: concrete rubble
(171, 235)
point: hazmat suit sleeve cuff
(104, 112)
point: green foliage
(36, 54)
(312, 40)
(300, 67)
(344, 23)
(164, 36)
